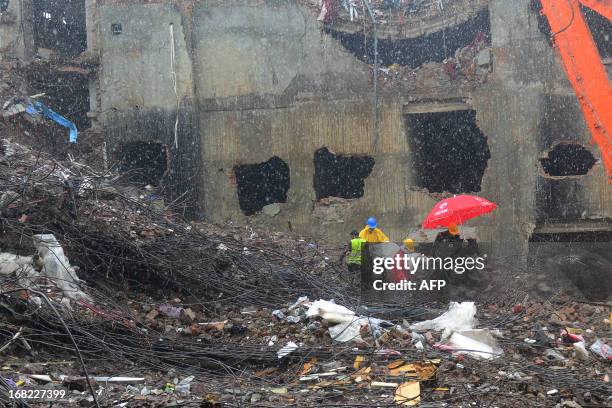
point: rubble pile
(175, 313)
(293, 355)
(109, 230)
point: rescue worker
(409, 249)
(408, 246)
(354, 259)
(404, 273)
(450, 235)
(448, 242)
(372, 234)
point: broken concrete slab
(271, 210)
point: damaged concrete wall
(290, 91)
(260, 79)
(142, 47)
(269, 84)
(569, 198)
(266, 82)
(526, 108)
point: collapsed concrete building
(257, 112)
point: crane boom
(584, 68)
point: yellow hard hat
(409, 244)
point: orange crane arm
(583, 67)
(603, 7)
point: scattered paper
(408, 394)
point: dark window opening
(144, 162)
(4, 5)
(60, 25)
(450, 151)
(339, 175)
(67, 93)
(568, 159)
(261, 184)
(116, 28)
(601, 29)
(414, 52)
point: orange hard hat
(453, 228)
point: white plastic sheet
(330, 311)
(475, 343)
(460, 316)
(57, 267)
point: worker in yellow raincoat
(372, 234)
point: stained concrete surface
(261, 79)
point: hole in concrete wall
(568, 159)
(601, 29)
(414, 52)
(60, 25)
(450, 151)
(67, 93)
(339, 175)
(261, 184)
(144, 162)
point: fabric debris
(38, 108)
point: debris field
(166, 312)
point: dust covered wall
(16, 37)
(269, 83)
(571, 198)
(294, 134)
(136, 94)
(266, 81)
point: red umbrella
(457, 210)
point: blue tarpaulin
(37, 108)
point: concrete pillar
(93, 50)
(510, 112)
(16, 31)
